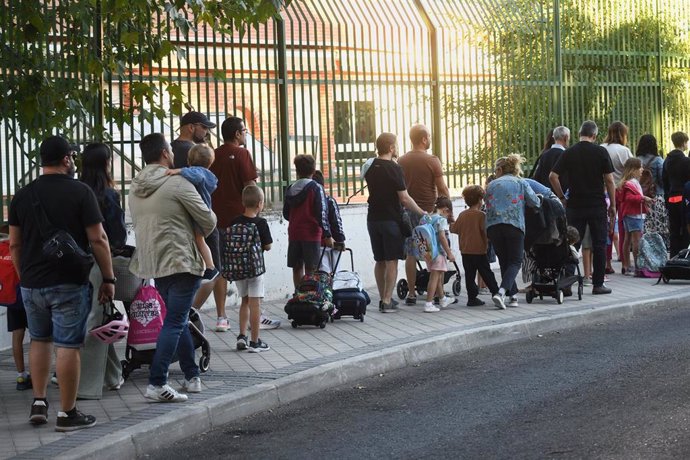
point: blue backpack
(425, 245)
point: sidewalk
(301, 362)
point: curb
(190, 420)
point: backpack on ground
(676, 268)
(425, 247)
(312, 304)
(242, 254)
(349, 296)
(651, 255)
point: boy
(336, 224)
(249, 238)
(471, 230)
(306, 209)
(200, 158)
(17, 324)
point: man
(235, 170)
(165, 211)
(425, 183)
(56, 293)
(675, 174)
(590, 172)
(194, 129)
(549, 158)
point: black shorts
(213, 242)
(16, 318)
(387, 242)
(304, 252)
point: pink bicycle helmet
(115, 325)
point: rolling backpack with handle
(349, 297)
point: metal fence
(489, 77)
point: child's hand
(648, 200)
(172, 172)
(451, 257)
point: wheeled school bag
(676, 268)
(312, 304)
(651, 256)
(349, 298)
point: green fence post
(283, 104)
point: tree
(55, 56)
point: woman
(387, 195)
(506, 198)
(656, 219)
(100, 364)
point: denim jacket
(505, 201)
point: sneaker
(475, 302)
(410, 301)
(513, 302)
(54, 379)
(192, 385)
(118, 385)
(446, 301)
(210, 274)
(484, 291)
(222, 325)
(258, 346)
(78, 421)
(39, 412)
(430, 308)
(24, 383)
(499, 300)
(164, 394)
(388, 308)
(395, 302)
(268, 323)
(601, 290)
(242, 342)
(587, 281)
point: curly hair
(511, 164)
(472, 194)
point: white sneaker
(164, 394)
(267, 323)
(445, 301)
(484, 291)
(222, 325)
(430, 308)
(192, 386)
(118, 385)
(513, 302)
(499, 301)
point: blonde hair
(631, 165)
(201, 155)
(252, 195)
(511, 164)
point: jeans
(596, 218)
(509, 244)
(473, 263)
(58, 313)
(177, 292)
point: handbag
(146, 315)
(405, 224)
(59, 245)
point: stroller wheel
(529, 296)
(457, 286)
(125, 369)
(420, 291)
(559, 297)
(580, 289)
(204, 361)
(294, 324)
(402, 289)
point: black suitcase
(306, 313)
(351, 300)
(677, 268)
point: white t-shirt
(619, 155)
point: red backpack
(9, 280)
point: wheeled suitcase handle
(337, 262)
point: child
(631, 202)
(471, 230)
(336, 224)
(443, 209)
(17, 324)
(573, 237)
(200, 158)
(249, 265)
(306, 209)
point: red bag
(146, 314)
(9, 280)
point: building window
(359, 114)
(343, 118)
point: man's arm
(555, 181)
(611, 190)
(101, 251)
(16, 247)
(441, 187)
(409, 203)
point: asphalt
(302, 362)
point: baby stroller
(146, 313)
(548, 254)
(422, 281)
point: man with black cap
(56, 292)
(194, 128)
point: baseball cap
(54, 148)
(196, 117)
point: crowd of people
(196, 215)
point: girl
(443, 210)
(631, 202)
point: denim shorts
(633, 224)
(58, 313)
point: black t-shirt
(585, 164)
(181, 152)
(385, 179)
(261, 225)
(546, 162)
(70, 205)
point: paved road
(616, 390)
